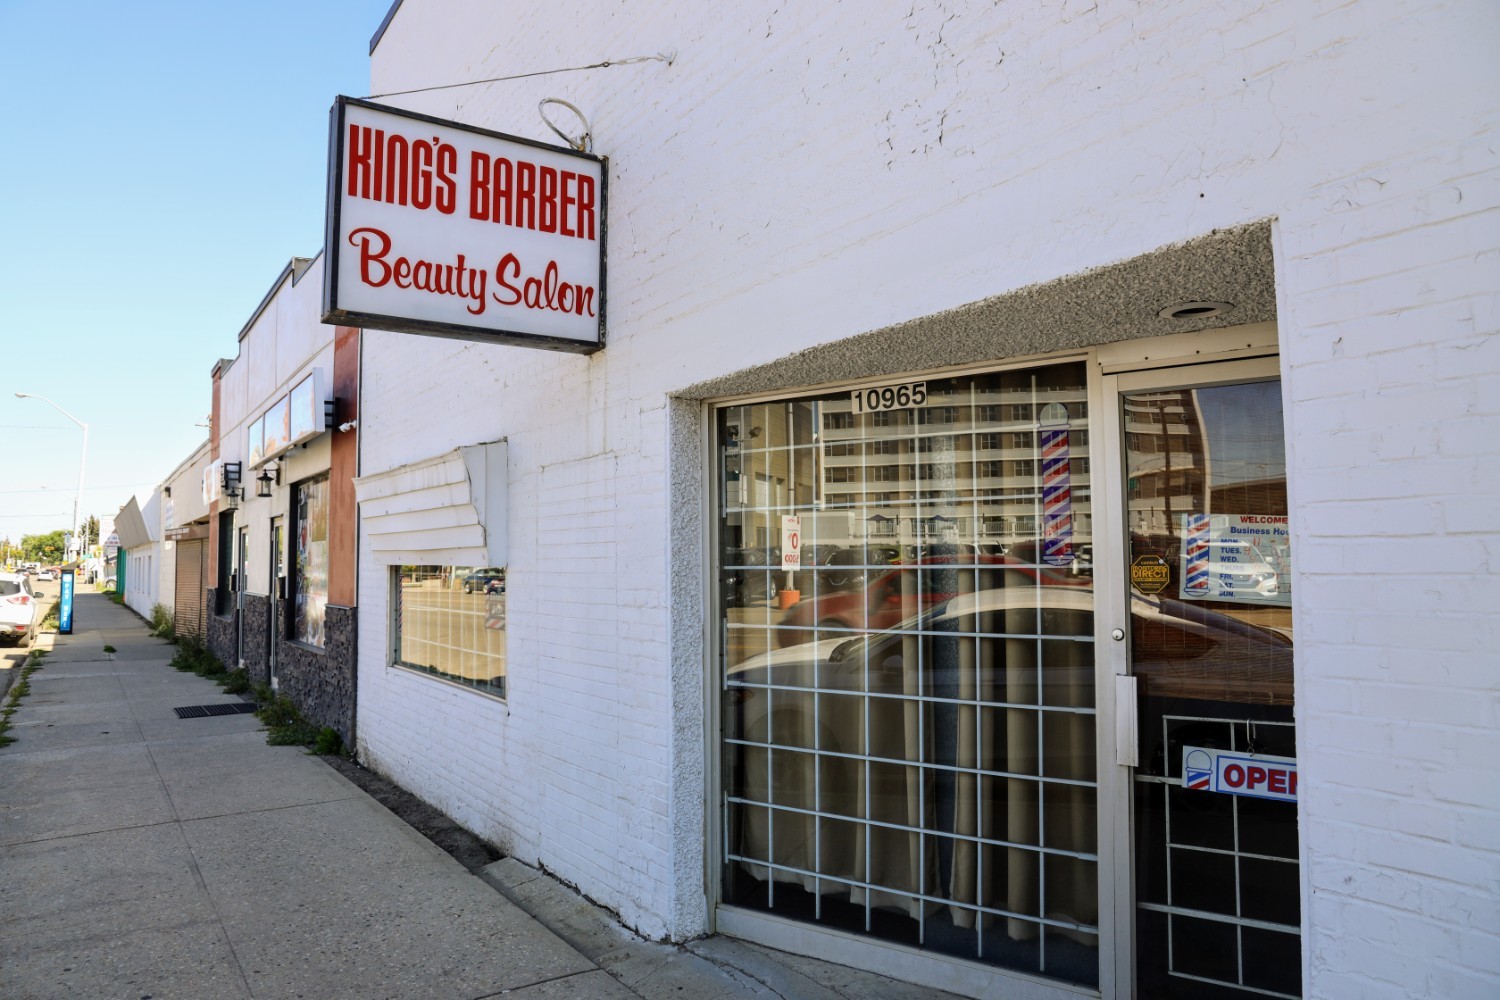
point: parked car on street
(20, 612)
(490, 580)
(47, 574)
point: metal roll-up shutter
(192, 563)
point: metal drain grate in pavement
(203, 711)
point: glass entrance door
(241, 564)
(1208, 551)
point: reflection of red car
(911, 589)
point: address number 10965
(889, 397)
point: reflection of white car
(19, 609)
(1237, 566)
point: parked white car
(20, 612)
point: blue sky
(160, 163)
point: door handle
(1127, 723)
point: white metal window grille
(908, 715)
(1191, 864)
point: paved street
(147, 856)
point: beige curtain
(907, 731)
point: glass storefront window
(310, 562)
(450, 622)
(908, 723)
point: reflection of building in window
(310, 561)
(1165, 449)
(450, 621)
(973, 444)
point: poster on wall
(1243, 558)
(440, 228)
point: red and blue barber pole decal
(1197, 769)
(1195, 551)
(1057, 487)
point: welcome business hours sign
(448, 230)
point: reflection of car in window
(750, 576)
(490, 581)
(1181, 649)
(1236, 564)
(910, 587)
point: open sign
(1256, 775)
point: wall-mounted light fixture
(269, 475)
(229, 480)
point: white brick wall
(804, 173)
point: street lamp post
(82, 459)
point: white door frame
(1123, 371)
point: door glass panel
(1218, 906)
(906, 622)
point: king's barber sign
(449, 230)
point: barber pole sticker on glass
(1195, 555)
(1257, 776)
(1057, 486)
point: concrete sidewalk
(143, 855)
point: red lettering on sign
(528, 196)
(1234, 776)
(1277, 782)
(399, 171)
(377, 271)
(549, 292)
(1257, 776)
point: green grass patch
(285, 726)
(109, 649)
(235, 682)
(162, 623)
(193, 657)
(18, 690)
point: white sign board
(791, 541)
(1242, 558)
(1259, 776)
(444, 229)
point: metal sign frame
(335, 313)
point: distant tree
(91, 533)
(48, 548)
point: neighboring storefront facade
(139, 526)
(280, 538)
(910, 579)
(184, 520)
